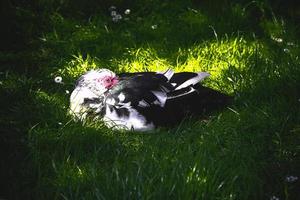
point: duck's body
(143, 101)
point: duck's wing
(185, 79)
(184, 83)
(137, 101)
(141, 90)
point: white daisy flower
(119, 17)
(114, 19)
(113, 13)
(127, 12)
(154, 26)
(58, 79)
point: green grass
(242, 152)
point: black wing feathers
(181, 77)
(140, 87)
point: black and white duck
(144, 100)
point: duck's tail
(190, 97)
(207, 99)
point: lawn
(248, 150)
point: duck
(143, 101)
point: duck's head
(91, 87)
(98, 81)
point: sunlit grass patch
(78, 66)
(142, 59)
(217, 57)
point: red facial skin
(108, 81)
